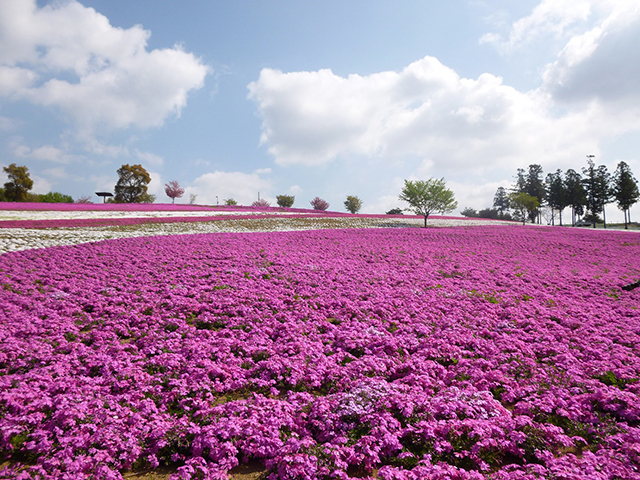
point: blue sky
(314, 98)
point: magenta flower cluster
(496, 353)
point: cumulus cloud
(47, 153)
(425, 112)
(69, 56)
(550, 17)
(243, 187)
(602, 64)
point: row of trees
(586, 193)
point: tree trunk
(604, 216)
(560, 213)
(425, 221)
(625, 219)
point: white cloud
(69, 56)
(149, 158)
(426, 112)
(156, 187)
(47, 153)
(550, 17)
(40, 185)
(243, 187)
(602, 64)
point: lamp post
(217, 200)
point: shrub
(230, 202)
(55, 197)
(319, 204)
(395, 211)
(285, 200)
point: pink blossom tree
(173, 190)
(319, 204)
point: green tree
(230, 202)
(353, 204)
(597, 185)
(625, 190)
(501, 201)
(576, 195)
(523, 203)
(19, 184)
(557, 196)
(132, 185)
(285, 201)
(428, 196)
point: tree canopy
(19, 184)
(625, 190)
(285, 201)
(523, 203)
(132, 185)
(428, 196)
(353, 204)
(173, 190)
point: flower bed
(454, 353)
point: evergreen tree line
(586, 193)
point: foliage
(3, 198)
(576, 194)
(230, 202)
(596, 183)
(625, 190)
(395, 211)
(353, 204)
(557, 195)
(285, 201)
(531, 183)
(319, 204)
(469, 212)
(84, 199)
(523, 203)
(192, 198)
(132, 184)
(54, 197)
(261, 203)
(147, 198)
(428, 196)
(19, 184)
(501, 201)
(173, 190)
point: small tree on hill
(261, 203)
(132, 184)
(319, 204)
(173, 190)
(19, 184)
(353, 204)
(230, 202)
(523, 203)
(428, 196)
(395, 211)
(285, 201)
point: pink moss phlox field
(496, 353)
(102, 222)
